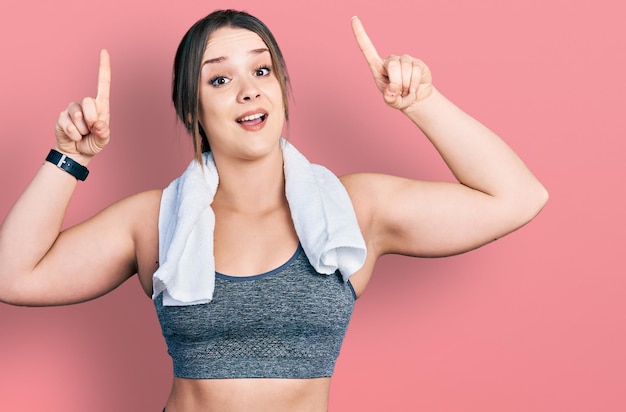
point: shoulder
(133, 216)
(356, 185)
(142, 204)
(368, 190)
(141, 210)
(387, 208)
(147, 199)
(365, 191)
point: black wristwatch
(68, 164)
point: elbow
(11, 294)
(6, 296)
(539, 198)
(532, 201)
(7, 293)
(544, 196)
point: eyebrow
(224, 58)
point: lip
(255, 124)
(251, 113)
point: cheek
(210, 109)
(207, 120)
(277, 96)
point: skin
(495, 194)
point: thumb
(101, 130)
(391, 93)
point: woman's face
(241, 102)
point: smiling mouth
(252, 119)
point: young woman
(254, 257)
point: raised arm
(495, 193)
(38, 264)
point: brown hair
(188, 61)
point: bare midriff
(249, 395)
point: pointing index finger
(365, 44)
(104, 79)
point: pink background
(533, 322)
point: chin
(250, 147)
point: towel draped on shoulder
(321, 210)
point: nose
(248, 91)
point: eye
(262, 71)
(218, 81)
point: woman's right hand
(82, 130)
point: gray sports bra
(286, 323)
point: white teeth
(251, 117)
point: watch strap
(63, 161)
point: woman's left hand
(403, 80)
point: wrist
(77, 157)
(428, 110)
(421, 106)
(68, 164)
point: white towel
(321, 210)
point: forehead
(230, 40)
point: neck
(251, 186)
